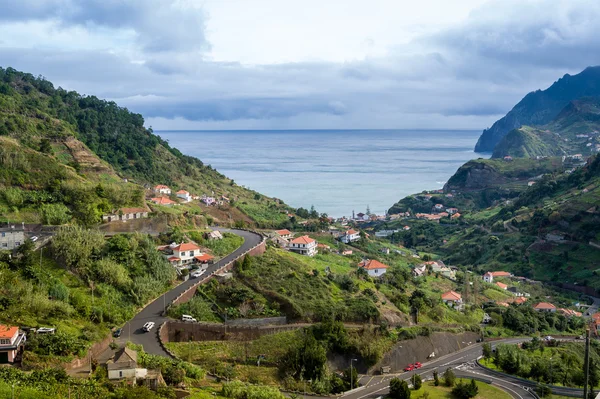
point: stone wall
(94, 351)
(178, 331)
(265, 321)
(190, 292)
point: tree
(486, 350)
(463, 390)
(417, 382)
(399, 389)
(436, 378)
(449, 377)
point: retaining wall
(179, 331)
(188, 294)
(94, 351)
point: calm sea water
(337, 171)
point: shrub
(449, 377)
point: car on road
(418, 365)
(35, 238)
(148, 326)
(548, 338)
(117, 333)
(187, 317)
(197, 273)
(410, 367)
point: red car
(410, 367)
(418, 365)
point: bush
(449, 377)
(417, 382)
(464, 390)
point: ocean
(337, 171)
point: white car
(148, 326)
(34, 238)
(197, 273)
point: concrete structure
(11, 237)
(12, 342)
(373, 267)
(162, 189)
(350, 236)
(419, 271)
(213, 235)
(303, 245)
(125, 214)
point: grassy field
(486, 391)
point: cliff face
(542, 106)
(474, 175)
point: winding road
(132, 330)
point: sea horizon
(337, 171)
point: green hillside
(67, 154)
(575, 130)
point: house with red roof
(303, 245)
(452, 298)
(162, 189)
(184, 254)
(285, 233)
(569, 312)
(163, 201)
(545, 307)
(350, 236)
(489, 276)
(12, 342)
(184, 195)
(373, 267)
(502, 285)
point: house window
(4, 244)
(120, 374)
(4, 341)
(191, 253)
(3, 234)
(18, 243)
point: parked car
(148, 326)
(35, 238)
(197, 273)
(187, 317)
(46, 330)
(410, 367)
(418, 365)
(117, 333)
(548, 338)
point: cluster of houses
(436, 267)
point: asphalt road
(132, 330)
(462, 364)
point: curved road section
(132, 330)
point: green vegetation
(551, 362)
(485, 391)
(219, 248)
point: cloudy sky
(291, 64)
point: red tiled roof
(520, 300)
(161, 187)
(182, 192)
(500, 274)
(303, 240)
(284, 232)
(162, 201)
(188, 246)
(7, 332)
(451, 296)
(544, 305)
(501, 285)
(351, 231)
(372, 264)
(174, 258)
(204, 257)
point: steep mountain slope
(56, 138)
(576, 130)
(542, 106)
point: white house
(12, 342)
(350, 236)
(184, 254)
(373, 267)
(162, 189)
(452, 298)
(285, 233)
(124, 366)
(184, 195)
(489, 276)
(545, 307)
(303, 245)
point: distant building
(184, 195)
(125, 214)
(11, 237)
(502, 285)
(184, 254)
(12, 342)
(213, 235)
(545, 307)
(162, 189)
(350, 236)
(373, 267)
(163, 201)
(303, 245)
(489, 276)
(419, 271)
(452, 298)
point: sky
(283, 64)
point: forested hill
(542, 106)
(64, 155)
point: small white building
(124, 366)
(12, 342)
(162, 189)
(452, 298)
(419, 271)
(350, 236)
(373, 267)
(125, 214)
(285, 233)
(489, 276)
(184, 195)
(303, 245)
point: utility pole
(352, 373)
(586, 364)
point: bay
(337, 171)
